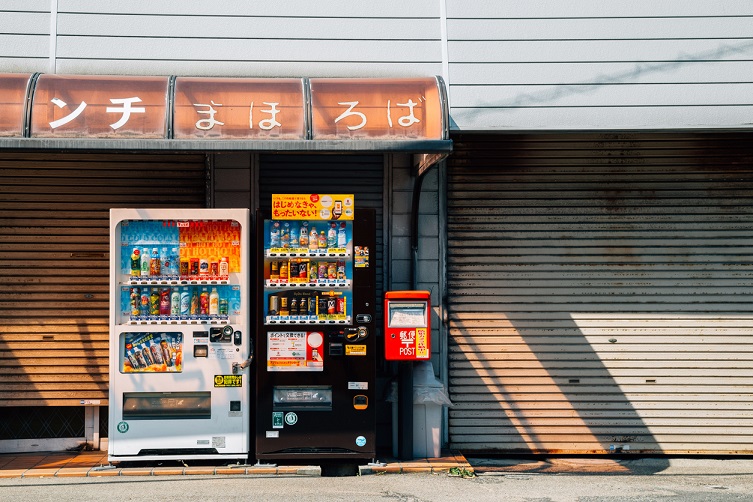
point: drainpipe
(405, 368)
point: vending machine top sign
(313, 206)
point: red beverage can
(194, 263)
(341, 305)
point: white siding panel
(638, 28)
(31, 46)
(566, 51)
(597, 8)
(608, 118)
(170, 49)
(251, 28)
(211, 68)
(599, 293)
(670, 72)
(281, 8)
(582, 95)
(25, 23)
(26, 6)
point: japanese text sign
(100, 106)
(313, 206)
(12, 99)
(376, 109)
(237, 108)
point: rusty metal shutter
(54, 227)
(599, 293)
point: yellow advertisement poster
(313, 206)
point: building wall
(227, 38)
(590, 64)
(24, 35)
(509, 65)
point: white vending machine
(180, 340)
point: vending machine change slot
(314, 398)
(166, 405)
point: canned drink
(303, 306)
(135, 302)
(312, 305)
(313, 271)
(303, 270)
(147, 355)
(274, 305)
(321, 305)
(341, 270)
(203, 266)
(332, 270)
(331, 305)
(274, 271)
(322, 270)
(214, 268)
(223, 306)
(194, 266)
(184, 267)
(294, 306)
(340, 305)
(154, 302)
(140, 358)
(284, 309)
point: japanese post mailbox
(407, 329)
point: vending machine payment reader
(407, 325)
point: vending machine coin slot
(237, 338)
(363, 318)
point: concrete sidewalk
(95, 464)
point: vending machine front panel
(179, 334)
(316, 354)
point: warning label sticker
(228, 380)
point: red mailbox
(407, 329)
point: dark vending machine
(316, 361)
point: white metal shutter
(54, 250)
(599, 293)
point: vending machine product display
(179, 334)
(316, 340)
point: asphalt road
(665, 486)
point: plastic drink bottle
(342, 239)
(135, 262)
(322, 240)
(145, 258)
(332, 235)
(313, 239)
(303, 235)
(214, 302)
(175, 302)
(155, 265)
(185, 302)
(274, 235)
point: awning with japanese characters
(225, 109)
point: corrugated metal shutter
(54, 227)
(361, 175)
(600, 293)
